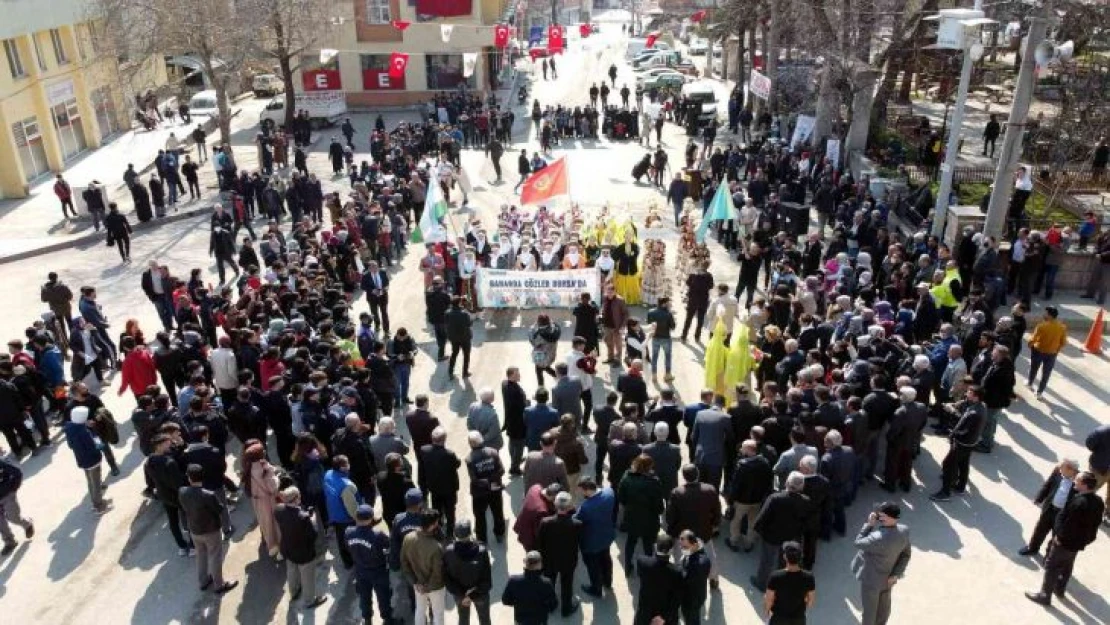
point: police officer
(406, 522)
(370, 549)
(486, 472)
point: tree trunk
(771, 56)
(219, 84)
(285, 65)
(827, 101)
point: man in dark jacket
(604, 416)
(439, 476)
(816, 487)
(839, 466)
(514, 401)
(1054, 494)
(459, 334)
(998, 389)
(878, 406)
(696, 569)
(11, 478)
(298, 547)
(486, 472)
(661, 585)
(351, 442)
(205, 514)
(752, 482)
(784, 516)
(1076, 527)
(666, 455)
(902, 438)
(531, 595)
(558, 540)
(468, 573)
(222, 245)
(695, 506)
(955, 468)
(168, 478)
(119, 230)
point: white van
(204, 103)
(637, 45)
(703, 93)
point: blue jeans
(370, 585)
(164, 305)
(1050, 272)
(1036, 360)
(986, 439)
(402, 372)
(656, 345)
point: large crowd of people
(270, 389)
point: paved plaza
(123, 567)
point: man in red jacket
(138, 371)
(65, 196)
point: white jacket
(225, 372)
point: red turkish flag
(698, 16)
(398, 61)
(651, 40)
(549, 182)
(400, 25)
(501, 36)
(555, 38)
(584, 30)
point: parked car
(267, 85)
(698, 46)
(203, 104)
(666, 79)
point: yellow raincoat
(740, 362)
(716, 360)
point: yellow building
(58, 98)
(365, 40)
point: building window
(377, 12)
(38, 53)
(445, 71)
(59, 46)
(15, 64)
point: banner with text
(759, 85)
(500, 288)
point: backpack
(108, 423)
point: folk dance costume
(605, 264)
(626, 277)
(468, 268)
(656, 282)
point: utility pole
(951, 153)
(1015, 129)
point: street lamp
(959, 30)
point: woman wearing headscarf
(260, 483)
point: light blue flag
(720, 208)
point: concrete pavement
(123, 567)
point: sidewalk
(33, 225)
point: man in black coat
(515, 400)
(661, 585)
(439, 477)
(557, 541)
(902, 439)
(119, 231)
(468, 574)
(222, 246)
(696, 569)
(298, 546)
(459, 334)
(531, 595)
(1076, 527)
(751, 483)
(168, 477)
(695, 506)
(698, 287)
(604, 416)
(351, 442)
(1053, 496)
(784, 516)
(816, 487)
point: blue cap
(413, 496)
(365, 513)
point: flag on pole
(430, 229)
(501, 36)
(720, 208)
(698, 16)
(650, 43)
(555, 39)
(400, 25)
(549, 182)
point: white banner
(445, 31)
(803, 128)
(500, 288)
(833, 152)
(760, 85)
(470, 61)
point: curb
(99, 237)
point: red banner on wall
(379, 80)
(321, 80)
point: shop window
(445, 71)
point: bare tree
(291, 29)
(215, 32)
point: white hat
(79, 414)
